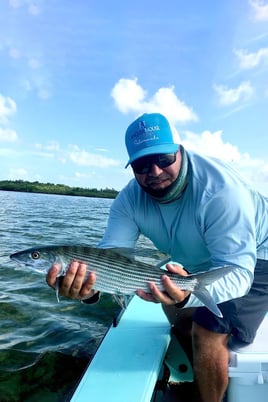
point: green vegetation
(50, 188)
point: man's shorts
(241, 316)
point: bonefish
(118, 274)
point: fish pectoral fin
(122, 300)
(204, 296)
(57, 287)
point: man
(202, 213)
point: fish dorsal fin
(162, 263)
(124, 252)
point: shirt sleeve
(228, 224)
(122, 230)
(235, 284)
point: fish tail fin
(203, 295)
(207, 277)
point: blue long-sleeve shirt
(219, 220)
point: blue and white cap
(149, 134)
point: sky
(75, 74)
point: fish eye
(35, 255)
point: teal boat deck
(129, 362)
(130, 358)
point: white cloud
(38, 78)
(83, 158)
(34, 63)
(51, 149)
(250, 60)
(211, 144)
(40, 86)
(34, 9)
(260, 10)
(26, 85)
(44, 94)
(254, 170)
(16, 3)
(229, 96)
(8, 152)
(129, 96)
(14, 53)
(80, 175)
(32, 6)
(7, 108)
(17, 174)
(52, 146)
(8, 135)
(79, 157)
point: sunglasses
(144, 165)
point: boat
(138, 359)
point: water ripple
(37, 334)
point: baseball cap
(149, 134)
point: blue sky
(74, 74)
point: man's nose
(155, 170)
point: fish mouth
(13, 258)
(21, 263)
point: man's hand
(172, 295)
(75, 284)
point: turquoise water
(45, 346)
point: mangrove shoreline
(59, 189)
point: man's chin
(159, 186)
(157, 191)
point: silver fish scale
(119, 274)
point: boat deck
(129, 362)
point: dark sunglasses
(144, 165)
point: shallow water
(45, 346)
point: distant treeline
(50, 188)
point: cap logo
(142, 125)
(144, 134)
(149, 134)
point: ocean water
(45, 346)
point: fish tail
(203, 295)
(207, 277)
